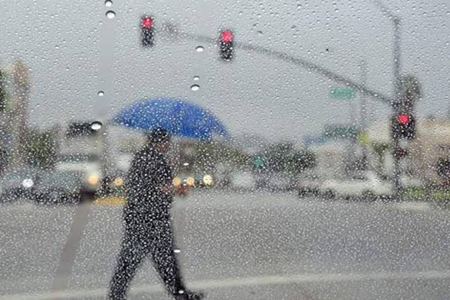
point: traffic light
(403, 126)
(147, 31)
(226, 45)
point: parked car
(86, 164)
(410, 182)
(367, 185)
(407, 181)
(308, 185)
(242, 180)
(18, 183)
(55, 187)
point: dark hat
(159, 135)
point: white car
(367, 185)
(308, 185)
(242, 181)
(88, 166)
(410, 182)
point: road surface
(236, 246)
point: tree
(283, 157)
(40, 148)
(208, 154)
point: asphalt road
(236, 246)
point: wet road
(236, 246)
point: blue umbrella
(179, 117)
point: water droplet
(196, 78)
(176, 251)
(108, 3)
(110, 14)
(101, 93)
(181, 292)
(96, 125)
(185, 164)
(199, 49)
(195, 87)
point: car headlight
(207, 180)
(190, 181)
(28, 183)
(93, 179)
(118, 182)
(176, 181)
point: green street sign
(342, 93)
(258, 161)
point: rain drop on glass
(110, 14)
(195, 87)
(96, 125)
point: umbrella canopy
(179, 117)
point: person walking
(148, 225)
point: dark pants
(146, 236)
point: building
(431, 145)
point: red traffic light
(226, 36)
(403, 126)
(147, 22)
(403, 119)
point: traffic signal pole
(173, 32)
(397, 103)
(394, 102)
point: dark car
(59, 187)
(18, 183)
(112, 184)
(308, 185)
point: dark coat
(146, 201)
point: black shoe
(195, 296)
(190, 296)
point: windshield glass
(224, 149)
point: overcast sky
(73, 51)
